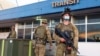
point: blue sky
(24, 2)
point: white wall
(4, 35)
(89, 48)
(85, 49)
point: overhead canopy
(6, 24)
(45, 7)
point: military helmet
(44, 21)
(67, 13)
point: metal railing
(15, 47)
(21, 47)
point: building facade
(85, 15)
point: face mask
(66, 17)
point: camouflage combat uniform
(61, 47)
(40, 46)
(12, 34)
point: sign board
(64, 3)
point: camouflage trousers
(40, 50)
(62, 51)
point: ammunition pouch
(40, 41)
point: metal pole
(32, 31)
(17, 3)
(1, 6)
(24, 31)
(2, 49)
(30, 48)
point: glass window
(28, 25)
(93, 32)
(20, 33)
(81, 29)
(80, 23)
(20, 30)
(33, 33)
(28, 33)
(5, 29)
(94, 18)
(79, 19)
(36, 23)
(48, 20)
(54, 22)
(20, 25)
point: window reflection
(93, 32)
(36, 23)
(79, 19)
(28, 33)
(20, 33)
(80, 24)
(20, 25)
(54, 22)
(81, 29)
(93, 18)
(28, 25)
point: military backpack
(40, 32)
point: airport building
(85, 15)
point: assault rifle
(67, 36)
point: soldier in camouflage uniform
(12, 34)
(66, 25)
(40, 43)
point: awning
(6, 24)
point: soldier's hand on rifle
(69, 48)
(62, 40)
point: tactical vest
(40, 34)
(63, 28)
